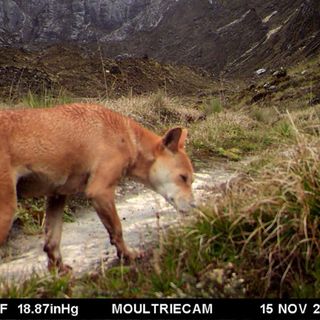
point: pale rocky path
(85, 242)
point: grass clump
(266, 116)
(49, 286)
(156, 111)
(267, 225)
(30, 215)
(213, 105)
(230, 134)
(45, 99)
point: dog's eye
(184, 178)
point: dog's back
(64, 140)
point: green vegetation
(213, 106)
(46, 99)
(229, 134)
(30, 215)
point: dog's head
(171, 174)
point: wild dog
(67, 149)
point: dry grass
(156, 111)
(269, 224)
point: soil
(71, 71)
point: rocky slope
(67, 70)
(237, 36)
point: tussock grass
(267, 225)
(45, 99)
(266, 116)
(213, 105)
(228, 134)
(156, 111)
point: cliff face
(219, 35)
(48, 21)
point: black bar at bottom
(159, 309)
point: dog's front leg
(103, 202)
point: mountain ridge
(219, 35)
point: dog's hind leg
(53, 229)
(8, 200)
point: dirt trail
(85, 243)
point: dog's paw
(59, 268)
(131, 255)
(137, 254)
(64, 269)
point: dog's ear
(183, 138)
(175, 138)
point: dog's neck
(145, 144)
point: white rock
(261, 71)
